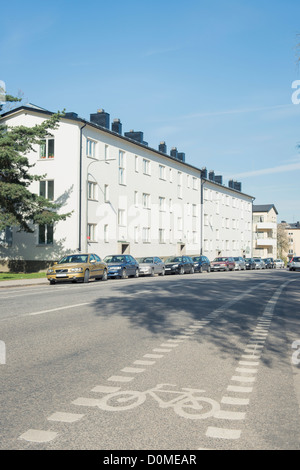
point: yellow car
(78, 267)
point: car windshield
(220, 259)
(196, 258)
(257, 259)
(236, 259)
(74, 259)
(248, 260)
(297, 260)
(174, 259)
(145, 260)
(114, 259)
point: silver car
(259, 264)
(294, 263)
(279, 263)
(240, 263)
(151, 265)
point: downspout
(201, 215)
(80, 190)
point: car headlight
(50, 271)
(76, 270)
(175, 265)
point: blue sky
(212, 78)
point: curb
(23, 283)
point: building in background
(125, 196)
(265, 231)
(293, 235)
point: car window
(98, 259)
(92, 258)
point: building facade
(125, 196)
(292, 231)
(265, 231)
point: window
(136, 234)
(161, 235)
(91, 232)
(162, 203)
(92, 190)
(6, 236)
(194, 210)
(106, 193)
(195, 183)
(136, 198)
(90, 148)
(146, 234)
(45, 235)
(47, 148)
(122, 169)
(162, 172)
(171, 175)
(179, 184)
(47, 189)
(146, 201)
(146, 167)
(121, 217)
(106, 233)
(106, 152)
(136, 164)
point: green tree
(18, 205)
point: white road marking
(230, 415)
(144, 363)
(133, 370)
(119, 378)
(105, 389)
(56, 309)
(220, 433)
(235, 401)
(154, 356)
(242, 378)
(241, 389)
(65, 417)
(36, 435)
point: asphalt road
(84, 364)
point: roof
(76, 118)
(264, 208)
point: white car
(294, 263)
(279, 263)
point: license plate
(61, 275)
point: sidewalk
(23, 282)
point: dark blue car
(122, 266)
(201, 263)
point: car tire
(208, 269)
(136, 275)
(123, 274)
(104, 275)
(52, 282)
(181, 270)
(192, 270)
(163, 272)
(152, 272)
(86, 276)
(200, 269)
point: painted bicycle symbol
(189, 403)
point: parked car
(222, 264)
(250, 263)
(279, 263)
(122, 266)
(294, 263)
(259, 263)
(78, 267)
(179, 265)
(151, 265)
(269, 262)
(240, 263)
(201, 263)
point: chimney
(101, 118)
(162, 147)
(219, 179)
(204, 173)
(174, 152)
(116, 126)
(181, 156)
(138, 136)
(211, 175)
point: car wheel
(86, 276)
(181, 270)
(52, 282)
(192, 270)
(152, 272)
(200, 269)
(123, 274)
(137, 273)
(208, 269)
(104, 276)
(163, 272)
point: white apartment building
(265, 231)
(125, 196)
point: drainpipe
(201, 214)
(80, 190)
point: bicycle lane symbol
(188, 403)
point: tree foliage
(19, 206)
